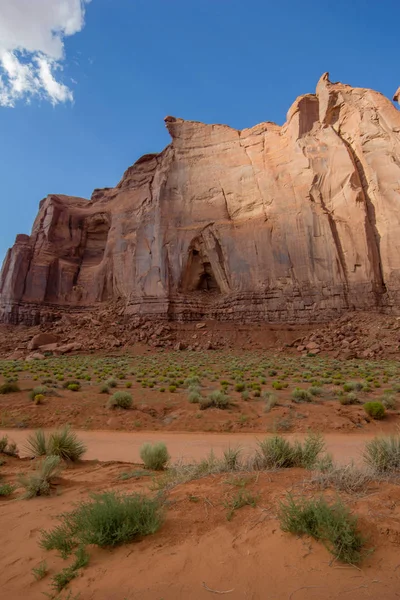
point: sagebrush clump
(154, 456)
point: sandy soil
(123, 446)
(197, 550)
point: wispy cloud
(32, 36)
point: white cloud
(32, 36)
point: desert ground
(220, 529)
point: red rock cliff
(291, 223)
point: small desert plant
(270, 400)
(104, 389)
(278, 453)
(73, 385)
(172, 388)
(112, 383)
(120, 400)
(134, 474)
(36, 443)
(299, 395)
(242, 498)
(240, 387)
(316, 391)
(349, 398)
(9, 388)
(38, 399)
(39, 482)
(40, 390)
(231, 458)
(154, 457)
(215, 399)
(65, 444)
(376, 410)
(8, 448)
(389, 402)
(40, 571)
(352, 386)
(107, 520)
(332, 524)
(6, 489)
(382, 454)
(344, 478)
(194, 397)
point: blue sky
(238, 62)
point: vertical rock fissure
(372, 234)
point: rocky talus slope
(296, 223)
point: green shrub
(280, 385)
(192, 381)
(73, 385)
(36, 444)
(172, 388)
(154, 457)
(39, 482)
(242, 498)
(6, 489)
(270, 400)
(107, 520)
(389, 402)
(344, 478)
(40, 390)
(316, 391)
(350, 398)
(65, 444)
(194, 397)
(240, 387)
(376, 410)
(9, 388)
(40, 571)
(382, 454)
(218, 399)
(38, 399)
(120, 400)
(104, 389)
(245, 395)
(128, 384)
(231, 459)
(112, 383)
(8, 448)
(353, 386)
(332, 524)
(299, 395)
(278, 453)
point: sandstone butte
(292, 223)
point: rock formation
(298, 222)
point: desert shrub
(40, 390)
(382, 454)
(120, 400)
(172, 388)
(6, 489)
(278, 453)
(376, 410)
(352, 386)
(154, 456)
(242, 498)
(38, 399)
(38, 483)
(8, 448)
(40, 571)
(107, 520)
(36, 443)
(270, 400)
(350, 398)
(128, 384)
(344, 478)
(9, 388)
(216, 399)
(73, 385)
(240, 387)
(332, 524)
(112, 383)
(280, 385)
(104, 389)
(194, 397)
(245, 395)
(316, 391)
(231, 459)
(192, 381)
(299, 395)
(389, 402)
(65, 444)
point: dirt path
(124, 446)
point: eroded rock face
(291, 223)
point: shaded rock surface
(294, 223)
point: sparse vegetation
(120, 400)
(6, 489)
(9, 388)
(38, 483)
(36, 443)
(65, 444)
(278, 453)
(242, 498)
(382, 455)
(154, 456)
(40, 571)
(344, 478)
(376, 410)
(107, 520)
(332, 524)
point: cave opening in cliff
(199, 275)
